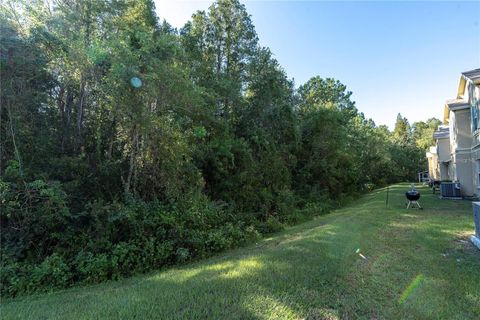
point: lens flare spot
(136, 82)
(414, 284)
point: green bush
(92, 268)
(13, 277)
(251, 234)
(34, 219)
(125, 259)
(111, 240)
(183, 254)
(270, 226)
(295, 216)
(218, 241)
(53, 272)
(155, 254)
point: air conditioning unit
(450, 190)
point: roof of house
(457, 104)
(443, 127)
(453, 105)
(442, 132)
(473, 75)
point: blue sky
(394, 56)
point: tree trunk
(111, 138)
(81, 101)
(61, 108)
(132, 160)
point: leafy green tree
(24, 112)
(220, 45)
(422, 132)
(402, 130)
(326, 93)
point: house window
(474, 114)
(478, 173)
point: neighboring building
(433, 169)
(439, 158)
(459, 119)
(442, 138)
(458, 151)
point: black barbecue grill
(412, 196)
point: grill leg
(413, 205)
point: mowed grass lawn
(419, 265)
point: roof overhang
(457, 104)
(454, 105)
(443, 132)
(441, 135)
(473, 75)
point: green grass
(419, 266)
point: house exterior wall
(443, 149)
(460, 150)
(452, 169)
(476, 170)
(474, 102)
(460, 129)
(433, 168)
(452, 128)
(444, 168)
(463, 172)
(444, 157)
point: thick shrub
(111, 240)
(155, 253)
(53, 272)
(92, 268)
(218, 240)
(34, 219)
(13, 277)
(125, 259)
(182, 254)
(270, 226)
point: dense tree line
(127, 145)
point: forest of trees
(128, 145)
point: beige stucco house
(438, 156)
(433, 169)
(461, 115)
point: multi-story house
(462, 117)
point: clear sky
(394, 56)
